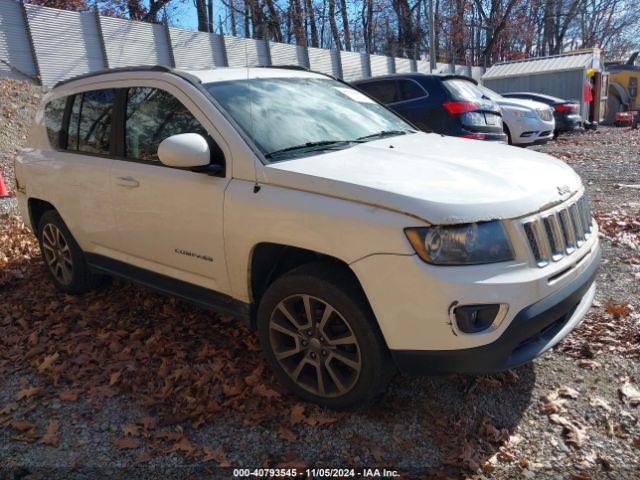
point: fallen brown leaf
(297, 413)
(126, 443)
(217, 455)
(22, 425)
(287, 434)
(68, 396)
(47, 362)
(50, 436)
(27, 393)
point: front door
(169, 220)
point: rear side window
(463, 90)
(384, 92)
(90, 122)
(410, 90)
(53, 115)
(153, 115)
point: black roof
(137, 68)
(415, 76)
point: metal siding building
(66, 43)
(197, 50)
(562, 76)
(16, 58)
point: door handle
(129, 182)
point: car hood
(520, 103)
(441, 180)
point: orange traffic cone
(3, 188)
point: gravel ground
(562, 416)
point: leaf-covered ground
(128, 382)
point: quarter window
(90, 122)
(153, 115)
(384, 92)
(53, 115)
(410, 90)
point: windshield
(490, 94)
(286, 117)
(464, 90)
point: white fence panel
(354, 66)
(16, 58)
(423, 66)
(246, 52)
(380, 65)
(322, 60)
(197, 50)
(476, 73)
(130, 43)
(403, 65)
(66, 43)
(286, 54)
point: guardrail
(47, 45)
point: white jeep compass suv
(352, 243)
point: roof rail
(137, 68)
(286, 67)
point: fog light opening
(478, 318)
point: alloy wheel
(57, 254)
(315, 345)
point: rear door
(414, 104)
(170, 220)
(384, 91)
(80, 163)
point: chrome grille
(545, 114)
(552, 235)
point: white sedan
(526, 122)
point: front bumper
(533, 331)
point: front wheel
(320, 338)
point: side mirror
(186, 150)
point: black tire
(508, 132)
(335, 286)
(79, 278)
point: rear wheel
(320, 338)
(63, 257)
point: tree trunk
(201, 10)
(312, 23)
(274, 21)
(332, 24)
(298, 30)
(345, 24)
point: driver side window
(151, 116)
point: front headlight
(467, 244)
(525, 114)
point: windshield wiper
(385, 133)
(311, 146)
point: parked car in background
(565, 112)
(526, 122)
(447, 104)
(352, 243)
